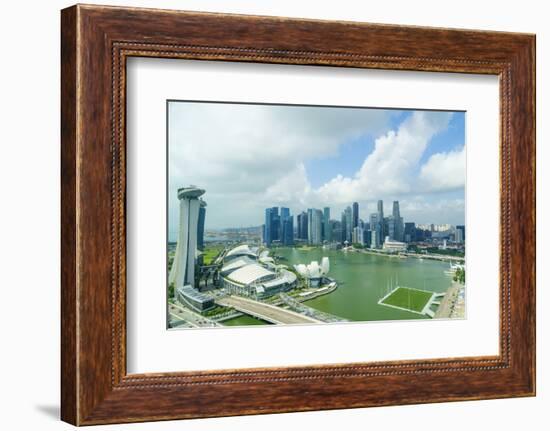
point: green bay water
(362, 280)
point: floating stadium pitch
(412, 300)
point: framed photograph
(331, 214)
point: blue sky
(353, 152)
(249, 157)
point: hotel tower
(183, 268)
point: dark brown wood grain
(96, 41)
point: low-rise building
(392, 246)
(194, 299)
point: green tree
(460, 275)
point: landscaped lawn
(210, 254)
(411, 299)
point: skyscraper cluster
(278, 226)
(315, 226)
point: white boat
(453, 267)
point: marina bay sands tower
(183, 268)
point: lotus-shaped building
(314, 272)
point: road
(193, 319)
(267, 312)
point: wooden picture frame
(95, 43)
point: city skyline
(315, 227)
(335, 154)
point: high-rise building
(366, 236)
(375, 227)
(391, 227)
(200, 226)
(409, 233)
(374, 239)
(327, 231)
(336, 230)
(286, 227)
(285, 213)
(343, 227)
(382, 226)
(395, 209)
(272, 225)
(268, 233)
(357, 235)
(397, 223)
(461, 233)
(309, 225)
(287, 237)
(301, 221)
(316, 226)
(355, 215)
(349, 226)
(275, 224)
(183, 267)
(373, 221)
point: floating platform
(413, 300)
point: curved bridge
(267, 312)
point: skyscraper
(327, 230)
(200, 227)
(285, 212)
(373, 221)
(336, 230)
(275, 224)
(316, 226)
(391, 227)
(301, 221)
(349, 226)
(461, 234)
(355, 215)
(309, 225)
(409, 233)
(381, 230)
(268, 234)
(183, 266)
(397, 222)
(272, 225)
(374, 239)
(357, 235)
(287, 237)
(343, 227)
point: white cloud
(389, 169)
(240, 152)
(249, 157)
(444, 171)
(293, 187)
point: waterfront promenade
(448, 303)
(405, 254)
